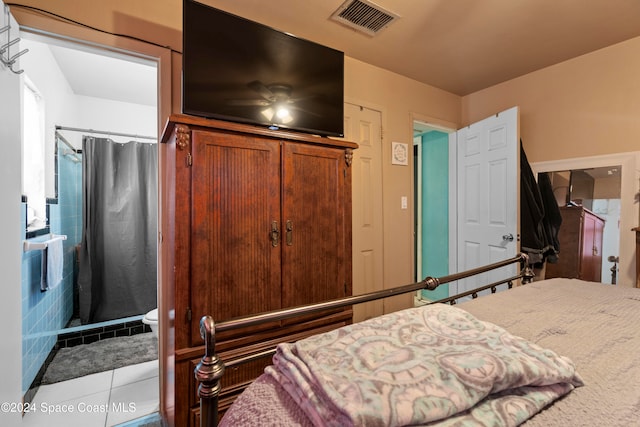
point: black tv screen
(238, 70)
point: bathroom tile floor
(105, 399)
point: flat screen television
(238, 70)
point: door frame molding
(66, 32)
(629, 213)
(430, 123)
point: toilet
(151, 319)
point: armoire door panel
(314, 264)
(598, 248)
(236, 199)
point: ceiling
(108, 76)
(460, 46)
(95, 72)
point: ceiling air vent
(364, 16)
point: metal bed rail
(211, 368)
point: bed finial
(430, 283)
(208, 373)
(527, 271)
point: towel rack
(10, 60)
(30, 245)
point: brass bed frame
(211, 368)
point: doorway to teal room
(431, 186)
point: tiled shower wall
(44, 313)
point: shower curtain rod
(128, 135)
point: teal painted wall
(435, 210)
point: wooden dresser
(580, 239)
(252, 220)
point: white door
(363, 126)
(487, 201)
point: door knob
(508, 237)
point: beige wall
(398, 98)
(577, 114)
(586, 106)
(583, 107)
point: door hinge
(189, 160)
(188, 314)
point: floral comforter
(433, 365)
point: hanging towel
(51, 265)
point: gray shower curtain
(118, 258)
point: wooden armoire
(580, 240)
(252, 220)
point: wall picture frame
(399, 154)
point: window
(33, 172)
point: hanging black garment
(539, 215)
(552, 217)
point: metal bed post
(525, 269)
(208, 373)
(211, 367)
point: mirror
(599, 191)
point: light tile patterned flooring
(104, 399)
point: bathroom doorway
(87, 91)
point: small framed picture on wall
(399, 153)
